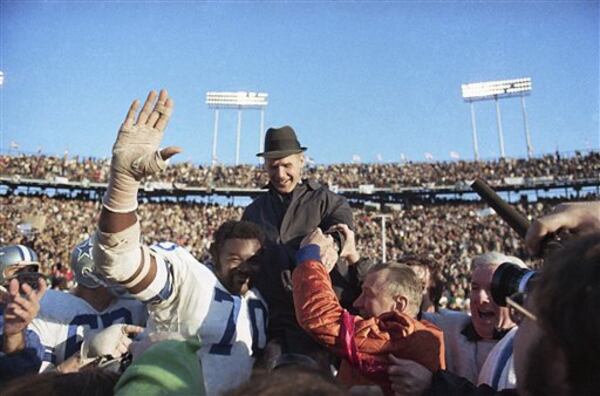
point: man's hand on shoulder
(328, 251)
(349, 251)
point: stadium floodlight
(236, 100)
(494, 90)
(1, 77)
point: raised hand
(329, 255)
(349, 251)
(20, 311)
(135, 153)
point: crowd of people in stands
(297, 293)
(450, 234)
(389, 175)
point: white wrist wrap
(121, 194)
(118, 255)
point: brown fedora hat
(281, 142)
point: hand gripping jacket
(363, 343)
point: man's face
(284, 173)
(235, 266)
(485, 314)
(374, 299)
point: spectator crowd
(449, 234)
(297, 293)
(389, 175)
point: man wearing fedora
(290, 209)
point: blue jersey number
(73, 343)
(225, 344)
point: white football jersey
(231, 328)
(498, 370)
(65, 319)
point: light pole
(474, 126)
(499, 124)
(498, 90)
(526, 127)
(235, 100)
(213, 158)
(260, 132)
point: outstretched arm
(575, 217)
(117, 250)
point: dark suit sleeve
(338, 211)
(247, 215)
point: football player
(183, 295)
(65, 319)
(21, 288)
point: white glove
(135, 153)
(112, 341)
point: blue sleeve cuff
(308, 252)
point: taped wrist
(121, 194)
(123, 185)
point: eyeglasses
(518, 311)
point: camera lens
(509, 279)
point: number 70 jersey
(231, 328)
(65, 319)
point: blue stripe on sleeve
(308, 252)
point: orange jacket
(364, 343)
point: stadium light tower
(497, 90)
(383, 217)
(240, 101)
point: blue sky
(376, 79)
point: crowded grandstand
(448, 226)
